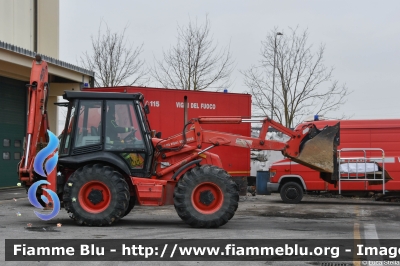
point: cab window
(89, 119)
(122, 129)
(66, 134)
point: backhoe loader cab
(108, 128)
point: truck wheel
(291, 192)
(96, 195)
(206, 196)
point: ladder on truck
(361, 168)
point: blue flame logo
(35, 202)
(44, 153)
(49, 166)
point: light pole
(273, 79)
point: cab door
(126, 136)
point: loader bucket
(318, 150)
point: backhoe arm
(37, 123)
(308, 145)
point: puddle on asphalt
(42, 229)
(99, 236)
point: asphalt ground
(11, 193)
(258, 217)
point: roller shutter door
(12, 128)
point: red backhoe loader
(109, 158)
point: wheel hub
(291, 193)
(95, 196)
(206, 197)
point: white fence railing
(361, 168)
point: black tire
(206, 196)
(39, 199)
(291, 192)
(131, 204)
(96, 195)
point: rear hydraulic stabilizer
(318, 150)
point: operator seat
(94, 131)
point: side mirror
(147, 109)
(155, 134)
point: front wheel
(206, 196)
(131, 204)
(96, 195)
(291, 192)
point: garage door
(12, 128)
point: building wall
(16, 22)
(48, 27)
(17, 30)
(17, 25)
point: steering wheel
(130, 138)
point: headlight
(272, 173)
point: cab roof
(70, 95)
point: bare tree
(194, 63)
(114, 62)
(303, 85)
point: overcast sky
(362, 37)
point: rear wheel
(206, 196)
(291, 192)
(96, 195)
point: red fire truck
(170, 103)
(368, 161)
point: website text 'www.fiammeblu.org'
(184, 249)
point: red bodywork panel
(383, 134)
